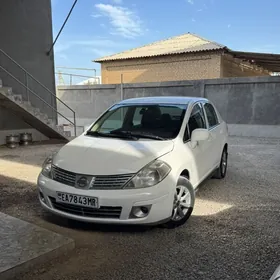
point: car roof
(162, 100)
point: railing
(71, 75)
(32, 86)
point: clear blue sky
(102, 27)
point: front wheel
(183, 203)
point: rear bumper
(159, 197)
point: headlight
(47, 167)
(149, 176)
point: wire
(74, 4)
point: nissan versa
(139, 163)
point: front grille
(102, 212)
(110, 182)
(101, 182)
(63, 176)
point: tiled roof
(186, 43)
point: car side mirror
(199, 134)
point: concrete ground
(232, 234)
(24, 245)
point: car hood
(105, 156)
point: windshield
(146, 121)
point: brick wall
(232, 67)
(165, 68)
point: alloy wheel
(224, 162)
(182, 202)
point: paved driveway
(233, 233)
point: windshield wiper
(111, 135)
(140, 135)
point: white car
(139, 163)
(276, 274)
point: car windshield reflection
(149, 121)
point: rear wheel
(222, 169)
(183, 203)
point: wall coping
(84, 87)
(190, 83)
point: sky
(98, 28)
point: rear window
(211, 115)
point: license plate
(79, 200)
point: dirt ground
(232, 234)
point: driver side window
(196, 120)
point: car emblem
(82, 182)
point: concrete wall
(87, 101)
(26, 35)
(250, 106)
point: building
(91, 81)
(185, 57)
(27, 90)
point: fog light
(42, 198)
(140, 211)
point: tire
(221, 172)
(183, 189)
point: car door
(216, 133)
(200, 153)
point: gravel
(232, 234)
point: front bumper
(160, 197)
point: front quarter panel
(180, 159)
